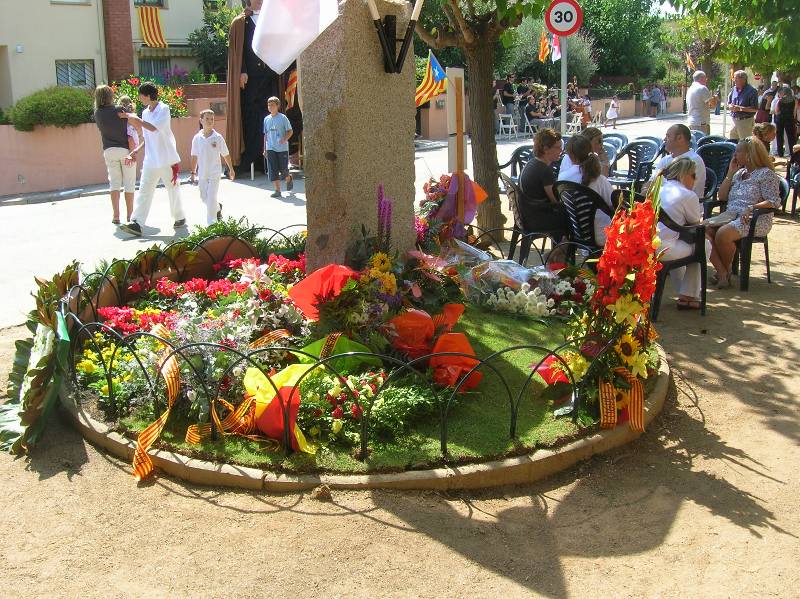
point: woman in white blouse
(681, 204)
(584, 168)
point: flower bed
(224, 347)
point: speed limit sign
(563, 17)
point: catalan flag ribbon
(434, 82)
(544, 47)
(291, 89)
(150, 23)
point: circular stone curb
(511, 471)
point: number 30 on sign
(563, 17)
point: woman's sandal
(684, 304)
(115, 221)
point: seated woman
(540, 209)
(766, 133)
(595, 136)
(585, 169)
(681, 204)
(750, 183)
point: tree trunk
(480, 66)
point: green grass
(478, 421)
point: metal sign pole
(562, 41)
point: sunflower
(627, 348)
(381, 262)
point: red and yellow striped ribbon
(270, 338)
(613, 399)
(169, 370)
(150, 24)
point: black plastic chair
(492, 241)
(696, 137)
(717, 156)
(656, 140)
(611, 151)
(521, 156)
(691, 234)
(744, 246)
(641, 155)
(619, 139)
(709, 139)
(581, 203)
(556, 165)
(711, 185)
(519, 234)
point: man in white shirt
(677, 142)
(161, 161)
(699, 101)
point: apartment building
(84, 42)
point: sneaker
(179, 223)
(289, 183)
(276, 194)
(132, 227)
(219, 213)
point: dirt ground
(704, 504)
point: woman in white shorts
(114, 134)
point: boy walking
(208, 147)
(277, 132)
(161, 160)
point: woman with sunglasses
(681, 204)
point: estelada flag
(291, 89)
(433, 83)
(544, 47)
(287, 27)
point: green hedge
(58, 106)
(4, 120)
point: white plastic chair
(574, 124)
(507, 125)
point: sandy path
(704, 504)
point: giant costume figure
(250, 83)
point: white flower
(526, 287)
(550, 303)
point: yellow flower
(627, 348)
(388, 283)
(104, 389)
(303, 234)
(577, 365)
(381, 262)
(336, 427)
(639, 365)
(625, 308)
(86, 367)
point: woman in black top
(784, 119)
(114, 133)
(539, 208)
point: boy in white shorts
(208, 147)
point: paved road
(39, 239)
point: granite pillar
(359, 129)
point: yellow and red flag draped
(291, 89)
(150, 23)
(433, 83)
(544, 47)
(689, 62)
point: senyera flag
(287, 27)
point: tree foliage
(523, 54)
(625, 33)
(763, 34)
(209, 43)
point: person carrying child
(208, 147)
(161, 160)
(277, 132)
